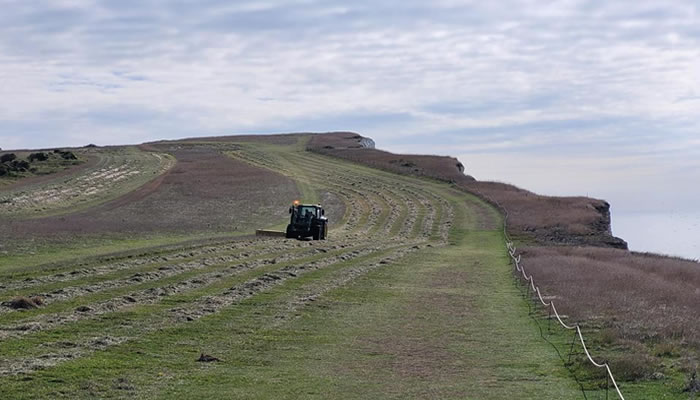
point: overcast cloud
(572, 96)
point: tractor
(307, 220)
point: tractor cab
(307, 220)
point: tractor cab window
(308, 212)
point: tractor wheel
(324, 232)
(290, 233)
(316, 233)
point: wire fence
(532, 288)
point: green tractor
(307, 220)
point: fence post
(528, 298)
(527, 283)
(571, 349)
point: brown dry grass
(205, 191)
(550, 219)
(280, 139)
(638, 297)
(346, 145)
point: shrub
(8, 157)
(609, 336)
(666, 349)
(41, 156)
(68, 155)
(632, 367)
(19, 165)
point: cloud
(583, 76)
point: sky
(587, 97)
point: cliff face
(604, 226)
(545, 220)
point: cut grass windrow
(289, 319)
(192, 305)
(59, 313)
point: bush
(632, 367)
(8, 157)
(68, 155)
(666, 349)
(19, 165)
(609, 336)
(41, 156)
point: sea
(670, 233)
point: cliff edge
(545, 220)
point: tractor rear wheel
(290, 233)
(316, 233)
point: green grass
(446, 321)
(29, 256)
(371, 339)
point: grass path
(436, 325)
(411, 297)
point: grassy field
(412, 296)
(116, 171)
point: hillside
(121, 272)
(642, 304)
(543, 219)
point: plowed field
(410, 297)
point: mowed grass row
(117, 171)
(350, 175)
(382, 317)
(139, 280)
(96, 279)
(69, 304)
(391, 184)
(23, 275)
(128, 322)
(113, 271)
(40, 340)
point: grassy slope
(148, 165)
(442, 322)
(437, 324)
